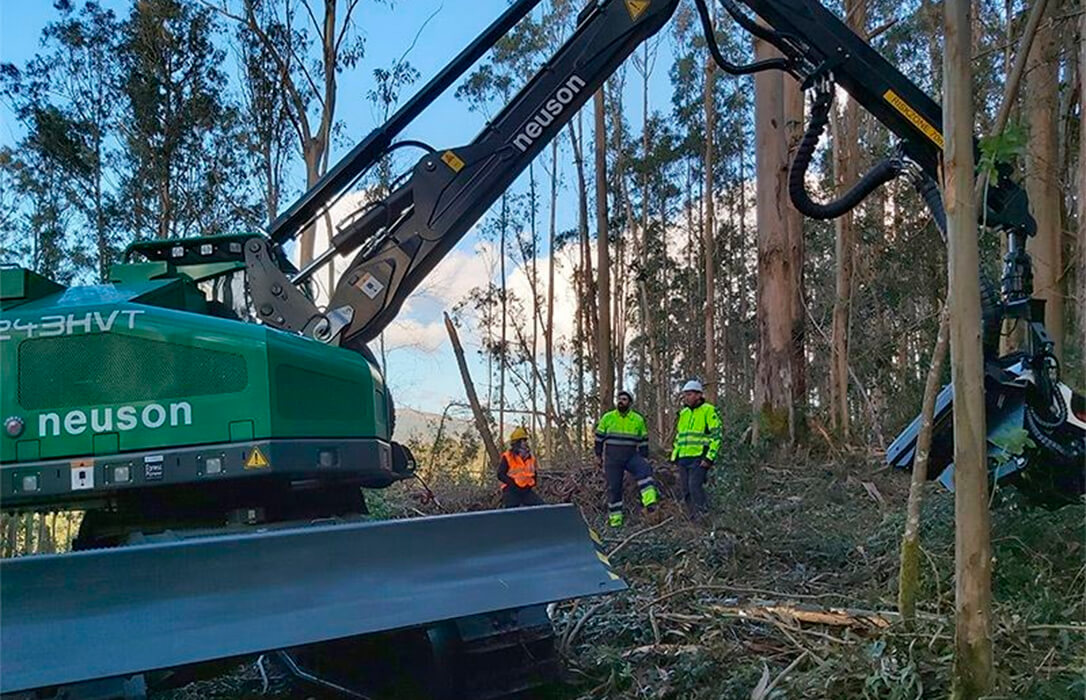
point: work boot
(649, 496)
(614, 519)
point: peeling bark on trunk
(773, 380)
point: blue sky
(423, 378)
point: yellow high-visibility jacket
(697, 433)
(617, 429)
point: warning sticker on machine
(370, 285)
(914, 117)
(636, 8)
(82, 474)
(256, 460)
(452, 160)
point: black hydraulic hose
(778, 39)
(929, 192)
(1037, 431)
(991, 309)
(724, 64)
(991, 317)
(879, 175)
(1056, 406)
(410, 143)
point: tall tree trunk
(620, 291)
(473, 399)
(794, 124)
(847, 155)
(534, 267)
(663, 368)
(618, 335)
(1081, 177)
(587, 298)
(709, 243)
(549, 329)
(909, 570)
(772, 382)
(973, 643)
(503, 352)
(744, 306)
(1043, 181)
(603, 261)
(648, 322)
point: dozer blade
(95, 614)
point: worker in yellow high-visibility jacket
(697, 442)
(622, 445)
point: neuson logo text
(547, 113)
(106, 420)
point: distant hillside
(422, 425)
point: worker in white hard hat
(697, 442)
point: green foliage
(1001, 149)
(1010, 444)
(126, 110)
(179, 122)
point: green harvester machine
(218, 428)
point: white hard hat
(693, 385)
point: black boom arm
(406, 235)
(821, 51)
(400, 239)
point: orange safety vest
(521, 470)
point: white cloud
(565, 297)
(410, 333)
(455, 276)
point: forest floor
(789, 589)
(792, 585)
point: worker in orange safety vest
(517, 472)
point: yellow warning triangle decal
(636, 8)
(256, 460)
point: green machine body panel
(142, 377)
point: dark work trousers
(514, 497)
(617, 460)
(692, 477)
